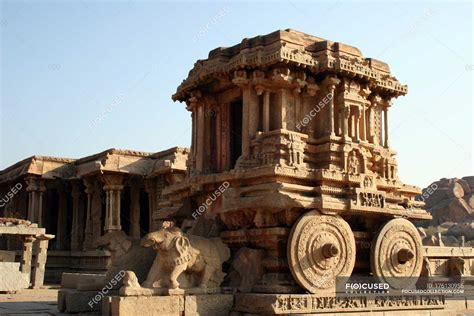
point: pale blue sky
(78, 77)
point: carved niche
(355, 162)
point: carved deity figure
(353, 163)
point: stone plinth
(283, 304)
(74, 301)
(172, 305)
(11, 279)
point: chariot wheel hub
(320, 248)
(396, 254)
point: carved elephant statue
(201, 258)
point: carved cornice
(112, 160)
(314, 54)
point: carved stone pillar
(151, 190)
(253, 115)
(370, 125)
(200, 137)
(346, 113)
(135, 209)
(26, 254)
(224, 123)
(331, 117)
(364, 93)
(42, 189)
(77, 230)
(385, 121)
(283, 104)
(246, 104)
(193, 136)
(375, 120)
(94, 210)
(191, 162)
(331, 83)
(357, 116)
(35, 188)
(266, 111)
(31, 189)
(61, 229)
(364, 124)
(41, 247)
(113, 189)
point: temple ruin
(80, 200)
(289, 186)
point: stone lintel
(446, 252)
(22, 230)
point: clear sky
(78, 77)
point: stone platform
(172, 305)
(306, 304)
(43, 302)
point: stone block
(146, 305)
(458, 303)
(11, 279)
(62, 300)
(71, 280)
(74, 301)
(216, 304)
(169, 305)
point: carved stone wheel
(396, 254)
(320, 248)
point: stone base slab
(11, 278)
(74, 301)
(281, 304)
(173, 305)
(143, 291)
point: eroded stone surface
(11, 278)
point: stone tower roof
(296, 49)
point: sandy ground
(30, 302)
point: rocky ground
(451, 202)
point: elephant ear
(182, 245)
